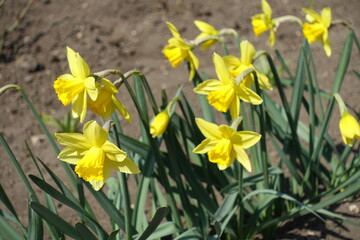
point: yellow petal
(234, 108)
(326, 44)
(91, 87)
(272, 38)
(209, 130)
(248, 95)
(121, 108)
(126, 166)
(247, 52)
(71, 155)
(78, 66)
(314, 15)
(326, 16)
(264, 81)
(113, 152)
(73, 140)
(95, 134)
(78, 108)
(245, 139)
(208, 86)
(231, 62)
(205, 146)
(97, 185)
(205, 27)
(173, 30)
(221, 70)
(242, 157)
(266, 8)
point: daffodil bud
(349, 128)
(159, 124)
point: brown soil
(130, 34)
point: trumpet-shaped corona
(93, 154)
(106, 102)
(225, 94)
(223, 144)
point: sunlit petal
(78, 66)
(209, 130)
(205, 146)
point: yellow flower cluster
(91, 152)
(81, 89)
(316, 30)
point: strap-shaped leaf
(54, 220)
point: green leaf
(5, 200)
(7, 231)
(189, 234)
(35, 226)
(17, 167)
(159, 215)
(54, 220)
(343, 62)
(84, 232)
(163, 230)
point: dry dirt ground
(128, 34)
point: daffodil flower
(224, 144)
(106, 102)
(349, 126)
(207, 31)
(225, 93)
(178, 50)
(73, 88)
(238, 65)
(93, 154)
(317, 28)
(160, 123)
(263, 22)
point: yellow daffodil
(349, 126)
(225, 93)
(73, 88)
(93, 154)
(207, 31)
(223, 144)
(160, 123)
(106, 102)
(263, 22)
(317, 28)
(178, 50)
(238, 65)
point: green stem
(240, 221)
(264, 156)
(126, 196)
